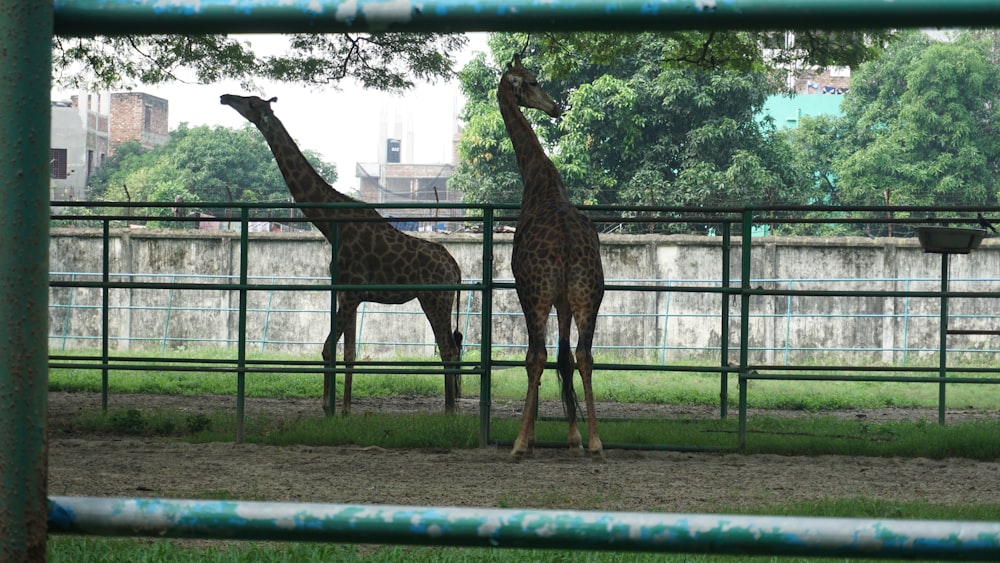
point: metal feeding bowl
(949, 240)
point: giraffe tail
(457, 335)
(564, 369)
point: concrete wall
(664, 325)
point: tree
(641, 132)
(921, 126)
(381, 61)
(744, 51)
(201, 164)
(486, 171)
(814, 145)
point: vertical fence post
(330, 376)
(25, 81)
(105, 310)
(745, 271)
(727, 235)
(486, 338)
(943, 337)
(666, 324)
(241, 350)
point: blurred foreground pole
(25, 79)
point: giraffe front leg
(525, 442)
(438, 312)
(350, 339)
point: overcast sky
(343, 126)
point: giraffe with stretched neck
(370, 251)
(556, 262)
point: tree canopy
(919, 127)
(379, 61)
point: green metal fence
(745, 287)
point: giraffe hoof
(515, 457)
(598, 456)
(576, 451)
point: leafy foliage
(919, 128)
(656, 128)
(742, 51)
(381, 61)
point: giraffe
(370, 251)
(556, 262)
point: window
(57, 163)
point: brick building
(87, 128)
(138, 116)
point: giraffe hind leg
(564, 369)
(329, 359)
(438, 313)
(585, 364)
(564, 365)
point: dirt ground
(89, 465)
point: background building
(88, 127)
(396, 179)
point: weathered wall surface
(663, 325)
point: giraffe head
(526, 89)
(250, 107)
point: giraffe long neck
(538, 173)
(304, 183)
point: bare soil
(81, 464)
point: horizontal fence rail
(83, 17)
(513, 528)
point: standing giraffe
(556, 262)
(370, 251)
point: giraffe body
(370, 251)
(556, 263)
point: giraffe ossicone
(370, 251)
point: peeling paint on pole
(85, 17)
(25, 77)
(543, 529)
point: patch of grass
(827, 435)
(654, 387)
(808, 435)
(159, 423)
(863, 507)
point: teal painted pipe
(511, 528)
(87, 17)
(25, 80)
